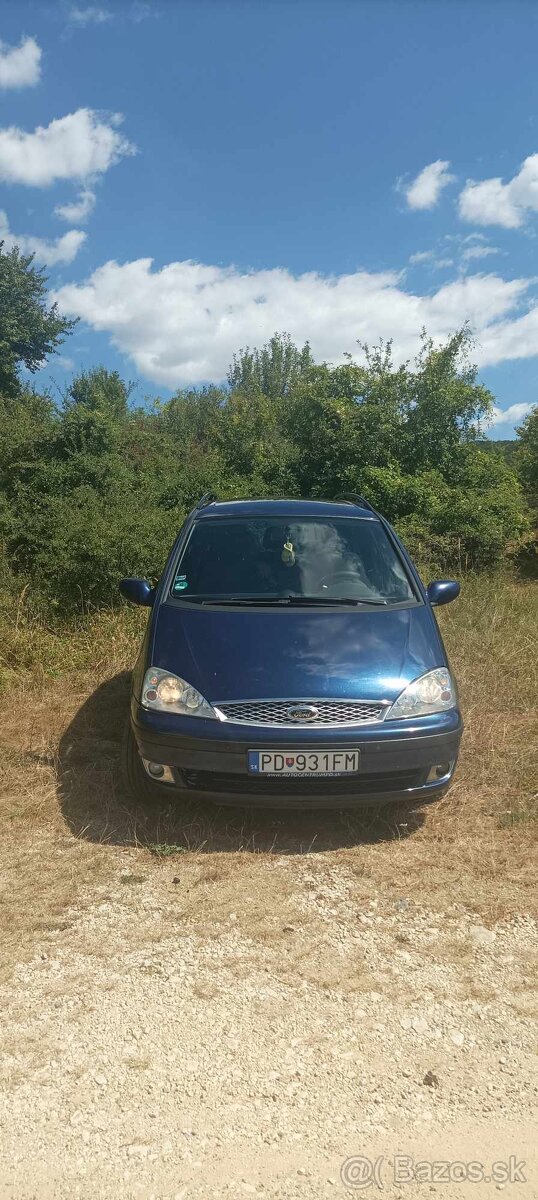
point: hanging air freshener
(288, 554)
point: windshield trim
(262, 605)
(410, 572)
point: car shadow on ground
(97, 807)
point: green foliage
(29, 331)
(443, 404)
(506, 447)
(407, 438)
(527, 454)
(94, 488)
(90, 505)
(525, 556)
(274, 370)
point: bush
(94, 489)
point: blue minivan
(291, 659)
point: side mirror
(138, 591)
(442, 591)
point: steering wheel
(340, 577)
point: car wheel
(134, 776)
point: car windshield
(279, 559)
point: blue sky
(341, 169)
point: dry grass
(69, 829)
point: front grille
(352, 785)
(277, 712)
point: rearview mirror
(138, 591)
(442, 591)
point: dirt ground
(246, 1030)
(212, 1003)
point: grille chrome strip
(329, 713)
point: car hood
(231, 654)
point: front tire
(134, 776)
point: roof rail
(206, 499)
(353, 498)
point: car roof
(283, 508)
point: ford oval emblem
(303, 712)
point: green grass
(69, 826)
(165, 850)
(491, 637)
(34, 653)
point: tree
(407, 438)
(99, 390)
(29, 330)
(274, 370)
(254, 446)
(527, 454)
(95, 488)
(444, 404)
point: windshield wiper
(331, 600)
(249, 600)
(232, 599)
(266, 601)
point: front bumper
(208, 759)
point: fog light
(159, 771)
(440, 771)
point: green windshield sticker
(180, 583)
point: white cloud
(78, 146)
(464, 249)
(78, 210)
(20, 66)
(92, 15)
(63, 361)
(493, 202)
(511, 339)
(422, 256)
(140, 10)
(181, 324)
(47, 251)
(426, 189)
(429, 256)
(96, 14)
(509, 416)
(478, 251)
(489, 203)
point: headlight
(431, 693)
(169, 693)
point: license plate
(300, 762)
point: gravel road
(198, 1031)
